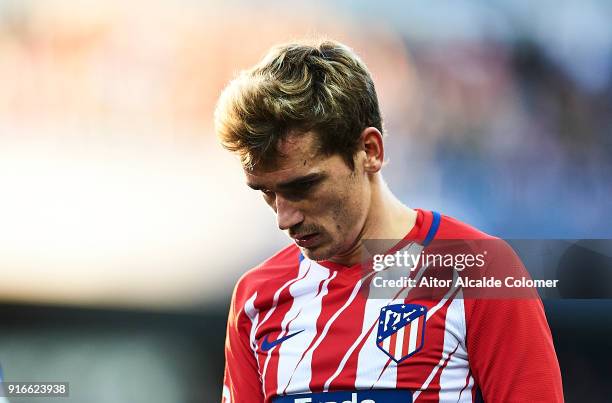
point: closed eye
(300, 190)
(295, 189)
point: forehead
(298, 154)
(296, 147)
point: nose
(287, 215)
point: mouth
(307, 241)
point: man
(304, 326)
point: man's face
(318, 199)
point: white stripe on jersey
(399, 342)
(303, 368)
(302, 270)
(454, 340)
(308, 356)
(303, 311)
(445, 355)
(454, 375)
(387, 343)
(354, 345)
(414, 328)
(466, 394)
(276, 296)
(253, 314)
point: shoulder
(452, 228)
(455, 236)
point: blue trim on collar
(433, 229)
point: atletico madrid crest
(401, 330)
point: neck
(388, 219)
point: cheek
(339, 209)
(346, 213)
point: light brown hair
(298, 88)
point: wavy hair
(298, 88)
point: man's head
(306, 124)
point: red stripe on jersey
(348, 374)
(320, 325)
(344, 305)
(406, 342)
(413, 372)
(272, 377)
(421, 324)
(271, 319)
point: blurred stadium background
(123, 225)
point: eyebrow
(292, 183)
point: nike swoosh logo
(267, 345)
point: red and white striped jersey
(301, 331)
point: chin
(317, 254)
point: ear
(372, 143)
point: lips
(307, 241)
